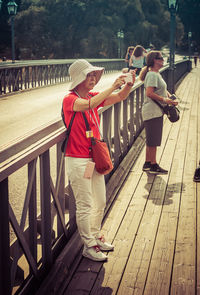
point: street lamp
(120, 36)
(12, 10)
(173, 5)
(189, 43)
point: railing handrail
(41, 62)
(24, 75)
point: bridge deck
(154, 223)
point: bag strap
(64, 144)
(88, 127)
(86, 121)
(154, 100)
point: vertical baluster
(132, 118)
(125, 127)
(9, 77)
(61, 184)
(4, 82)
(45, 210)
(32, 75)
(107, 121)
(137, 121)
(141, 103)
(117, 142)
(5, 267)
(72, 212)
(47, 69)
(33, 213)
(26, 81)
(1, 81)
(21, 72)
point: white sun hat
(79, 70)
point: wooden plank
(128, 230)
(158, 280)
(110, 228)
(135, 276)
(123, 230)
(198, 189)
(183, 276)
(142, 221)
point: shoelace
(97, 249)
(102, 239)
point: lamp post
(189, 43)
(12, 10)
(122, 42)
(173, 5)
(119, 45)
(120, 36)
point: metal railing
(32, 74)
(32, 238)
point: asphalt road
(23, 112)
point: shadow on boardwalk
(154, 222)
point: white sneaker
(94, 253)
(103, 245)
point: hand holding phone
(128, 78)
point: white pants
(90, 197)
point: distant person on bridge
(89, 193)
(128, 54)
(196, 54)
(155, 89)
(137, 59)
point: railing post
(33, 213)
(125, 128)
(5, 267)
(117, 137)
(61, 184)
(45, 210)
(132, 118)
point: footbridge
(153, 221)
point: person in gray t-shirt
(152, 114)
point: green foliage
(75, 28)
(189, 12)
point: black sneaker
(197, 175)
(146, 166)
(156, 169)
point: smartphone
(128, 78)
(173, 97)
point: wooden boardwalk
(154, 222)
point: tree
(189, 11)
(76, 28)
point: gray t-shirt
(150, 109)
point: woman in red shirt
(89, 193)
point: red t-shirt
(78, 144)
